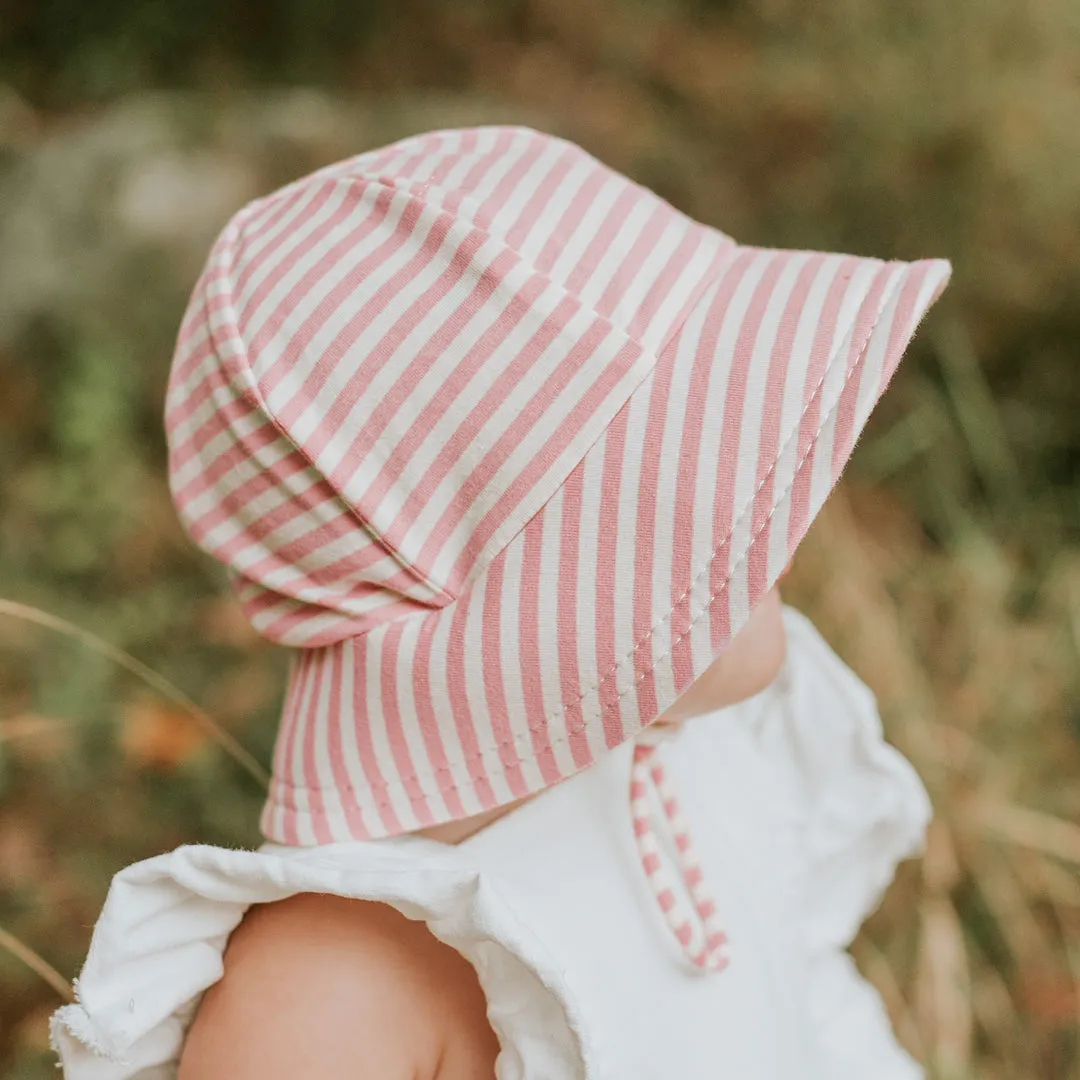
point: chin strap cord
(697, 929)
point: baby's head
(514, 454)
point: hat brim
(629, 582)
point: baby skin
(320, 986)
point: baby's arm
(322, 986)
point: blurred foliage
(949, 575)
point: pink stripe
(326, 363)
(475, 176)
(280, 785)
(436, 346)
(284, 256)
(361, 728)
(905, 306)
(252, 230)
(904, 324)
(682, 570)
(569, 677)
(390, 707)
(606, 557)
(639, 255)
(532, 678)
(520, 231)
(341, 292)
(235, 503)
(302, 614)
(662, 285)
(494, 690)
(644, 541)
(772, 409)
(615, 219)
(226, 418)
(468, 146)
(426, 714)
(799, 516)
(570, 220)
(867, 317)
(730, 439)
(307, 721)
(508, 184)
(407, 446)
(456, 678)
(335, 749)
(465, 436)
(339, 413)
(529, 478)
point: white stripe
(287, 236)
(874, 354)
(524, 452)
(521, 143)
(793, 407)
(485, 143)
(550, 157)
(700, 523)
(477, 697)
(510, 660)
(548, 614)
(318, 411)
(622, 681)
(674, 229)
(821, 478)
(427, 779)
(324, 769)
(596, 212)
(585, 590)
(296, 308)
(580, 172)
(350, 751)
(444, 430)
(380, 741)
(444, 717)
(295, 776)
(688, 279)
(613, 259)
(395, 366)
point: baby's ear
(326, 986)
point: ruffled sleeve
(160, 938)
(862, 805)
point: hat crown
(390, 365)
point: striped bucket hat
(509, 449)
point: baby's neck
(454, 832)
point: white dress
(800, 812)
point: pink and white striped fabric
(510, 448)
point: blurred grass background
(947, 573)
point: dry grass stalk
(227, 742)
(37, 964)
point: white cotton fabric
(800, 812)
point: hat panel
(624, 251)
(613, 557)
(306, 569)
(412, 380)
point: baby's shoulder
(321, 985)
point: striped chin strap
(696, 925)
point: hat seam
(249, 388)
(560, 738)
(476, 450)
